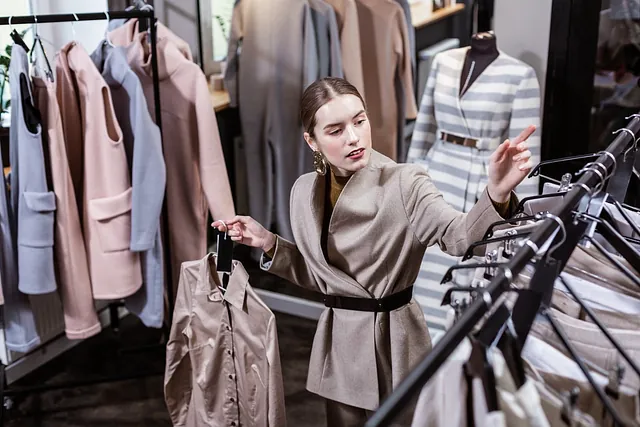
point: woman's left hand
(509, 165)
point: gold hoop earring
(319, 163)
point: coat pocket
(36, 221)
(112, 221)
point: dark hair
(319, 93)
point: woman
(361, 225)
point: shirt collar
(237, 287)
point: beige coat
(347, 17)
(106, 190)
(80, 318)
(385, 218)
(384, 42)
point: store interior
(127, 128)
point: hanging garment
(327, 39)
(385, 48)
(500, 104)
(223, 360)
(113, 268)
(80, 317)
(196, 171)
(32, 203)
(19, 322)
(403, 143)
(348, 26)
(278, 60)
(384, 219)
(143, 145)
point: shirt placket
(231, 408)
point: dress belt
(459, 140)
(376, 305)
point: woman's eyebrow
(339, 123)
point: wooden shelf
(219, 99)
(422, 15)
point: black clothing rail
(148, 16)
(593, 178)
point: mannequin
(482, 52)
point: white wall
(88, 33)
(522, 29)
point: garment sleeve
(177, 375)
(336, 68)
(213, 170)
(351, 52)
(311, 66)
(276, 411)
(289, 264)
(434, 221)
(424, 133)
(233, 54)
(405, 71)
(524, 112)
(149, 176)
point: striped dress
(499, 104)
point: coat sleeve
(434, 221)
(424, 133)
(351, 52)
(149, 176)
(275, 399)
(524, 112)
(233, 54)
(213, 170)
(336, 68)
(289, 264)
(177, 375)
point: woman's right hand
(248, 231)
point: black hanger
(448, 276)
(478, 366)
(615, 239)
(224, 249)
(469, 253)
(520, 207)
(38, 41)
(633, 277)
(623, 211)
(536, 170)
(17, 39)
(513, 221)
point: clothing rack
(147, 14)
(557, 225)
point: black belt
(389, 303)
(458, 140)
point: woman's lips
(356, 154)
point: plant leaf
(5, 62)
(8, 50)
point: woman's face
(342, 134)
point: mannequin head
(335, 123)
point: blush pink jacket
(106, 189)
(196, 172)
(80, 318)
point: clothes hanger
(478, 366)
(615, 239)
(16, 37)
(37, 41)
(629, 274)
(521, 205)
(448, 274)
(224, 249)
(513, 221)
(469, 252)
(621, 209)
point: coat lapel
(316, 205)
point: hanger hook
(226, 228)
(634, 146)
(613, 159)
(73, 27)
(35, 25)
(562, 227)
(10, 26)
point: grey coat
(31, 201)
(143, 145)
(19, 322)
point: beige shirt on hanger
(223, 361)
(386, 54)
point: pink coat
(106, 189)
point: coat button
(230, 376)
(232, 400)
(233, 423)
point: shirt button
(229, 352)
(233, 423)
(230, 376)
(232, 400)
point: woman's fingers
(522, 156)
(526, 133)
(526, 166)
(501, 150)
